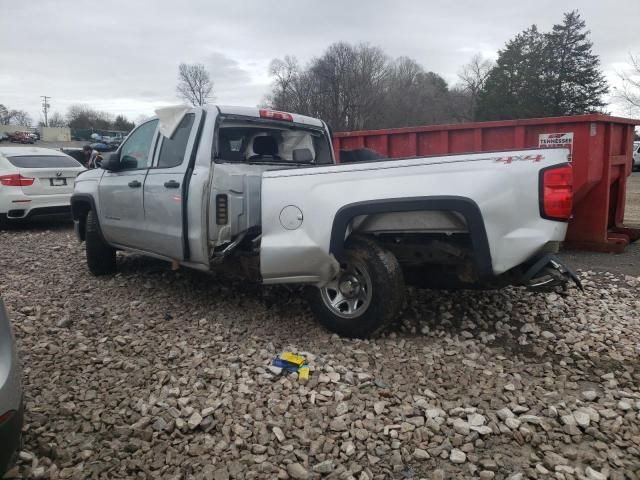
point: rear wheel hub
(349, 294)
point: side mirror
(128, 162)
(111, 163)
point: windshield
(266, 142)
(32, 161)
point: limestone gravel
(154, 373)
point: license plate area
(58, 182)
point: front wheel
(366, 295)
(101, 258)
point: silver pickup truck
(259, 192)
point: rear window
(263, 142)
(28, 161)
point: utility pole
(45, 108)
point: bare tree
(347, 83)
(56, 120)
(21, 118)
(14, 117)
(629, 91)
(472, 79)
(194, 83)
(4, 115)
(355, 87)
(414, 96)
(285, 92)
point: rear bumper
(10, 438)
(17, 206)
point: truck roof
(171, 116)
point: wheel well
(466, 211)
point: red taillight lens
(15, 181)
(273, 115)
(6, 416)
(556, 192)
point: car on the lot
(35, 181)
(103, 147)
(4, 137)
(21, 137)
(11, 404)
(636, 155)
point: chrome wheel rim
(349, 294)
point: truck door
(121, 197)
(163, 189)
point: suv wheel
(366, 295)
(101, 258)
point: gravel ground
(159, 374)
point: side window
(173, 149)
(135, 151)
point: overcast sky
(123, 56)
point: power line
(45, 108)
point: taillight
(6, 416)
(273, 115)
(16, 180)
(556, 192)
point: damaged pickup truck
(259, 192)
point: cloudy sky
(123, 56)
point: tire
(367, 294)
(101, 258)
(3, 221)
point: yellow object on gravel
(292, 358)
(303, 373)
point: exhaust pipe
(549, 272)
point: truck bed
(497, 195)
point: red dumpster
(601, 148)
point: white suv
(636, 156)
(35, 181)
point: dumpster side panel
(432, 142)
(497, 138)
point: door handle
(135, 184)
(171, 184)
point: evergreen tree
(545, 74)
(513, 87)
(121, 123)
(574, 81)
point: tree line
(78, 116)
(536, 74)
(354, 87)
(84, 117)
